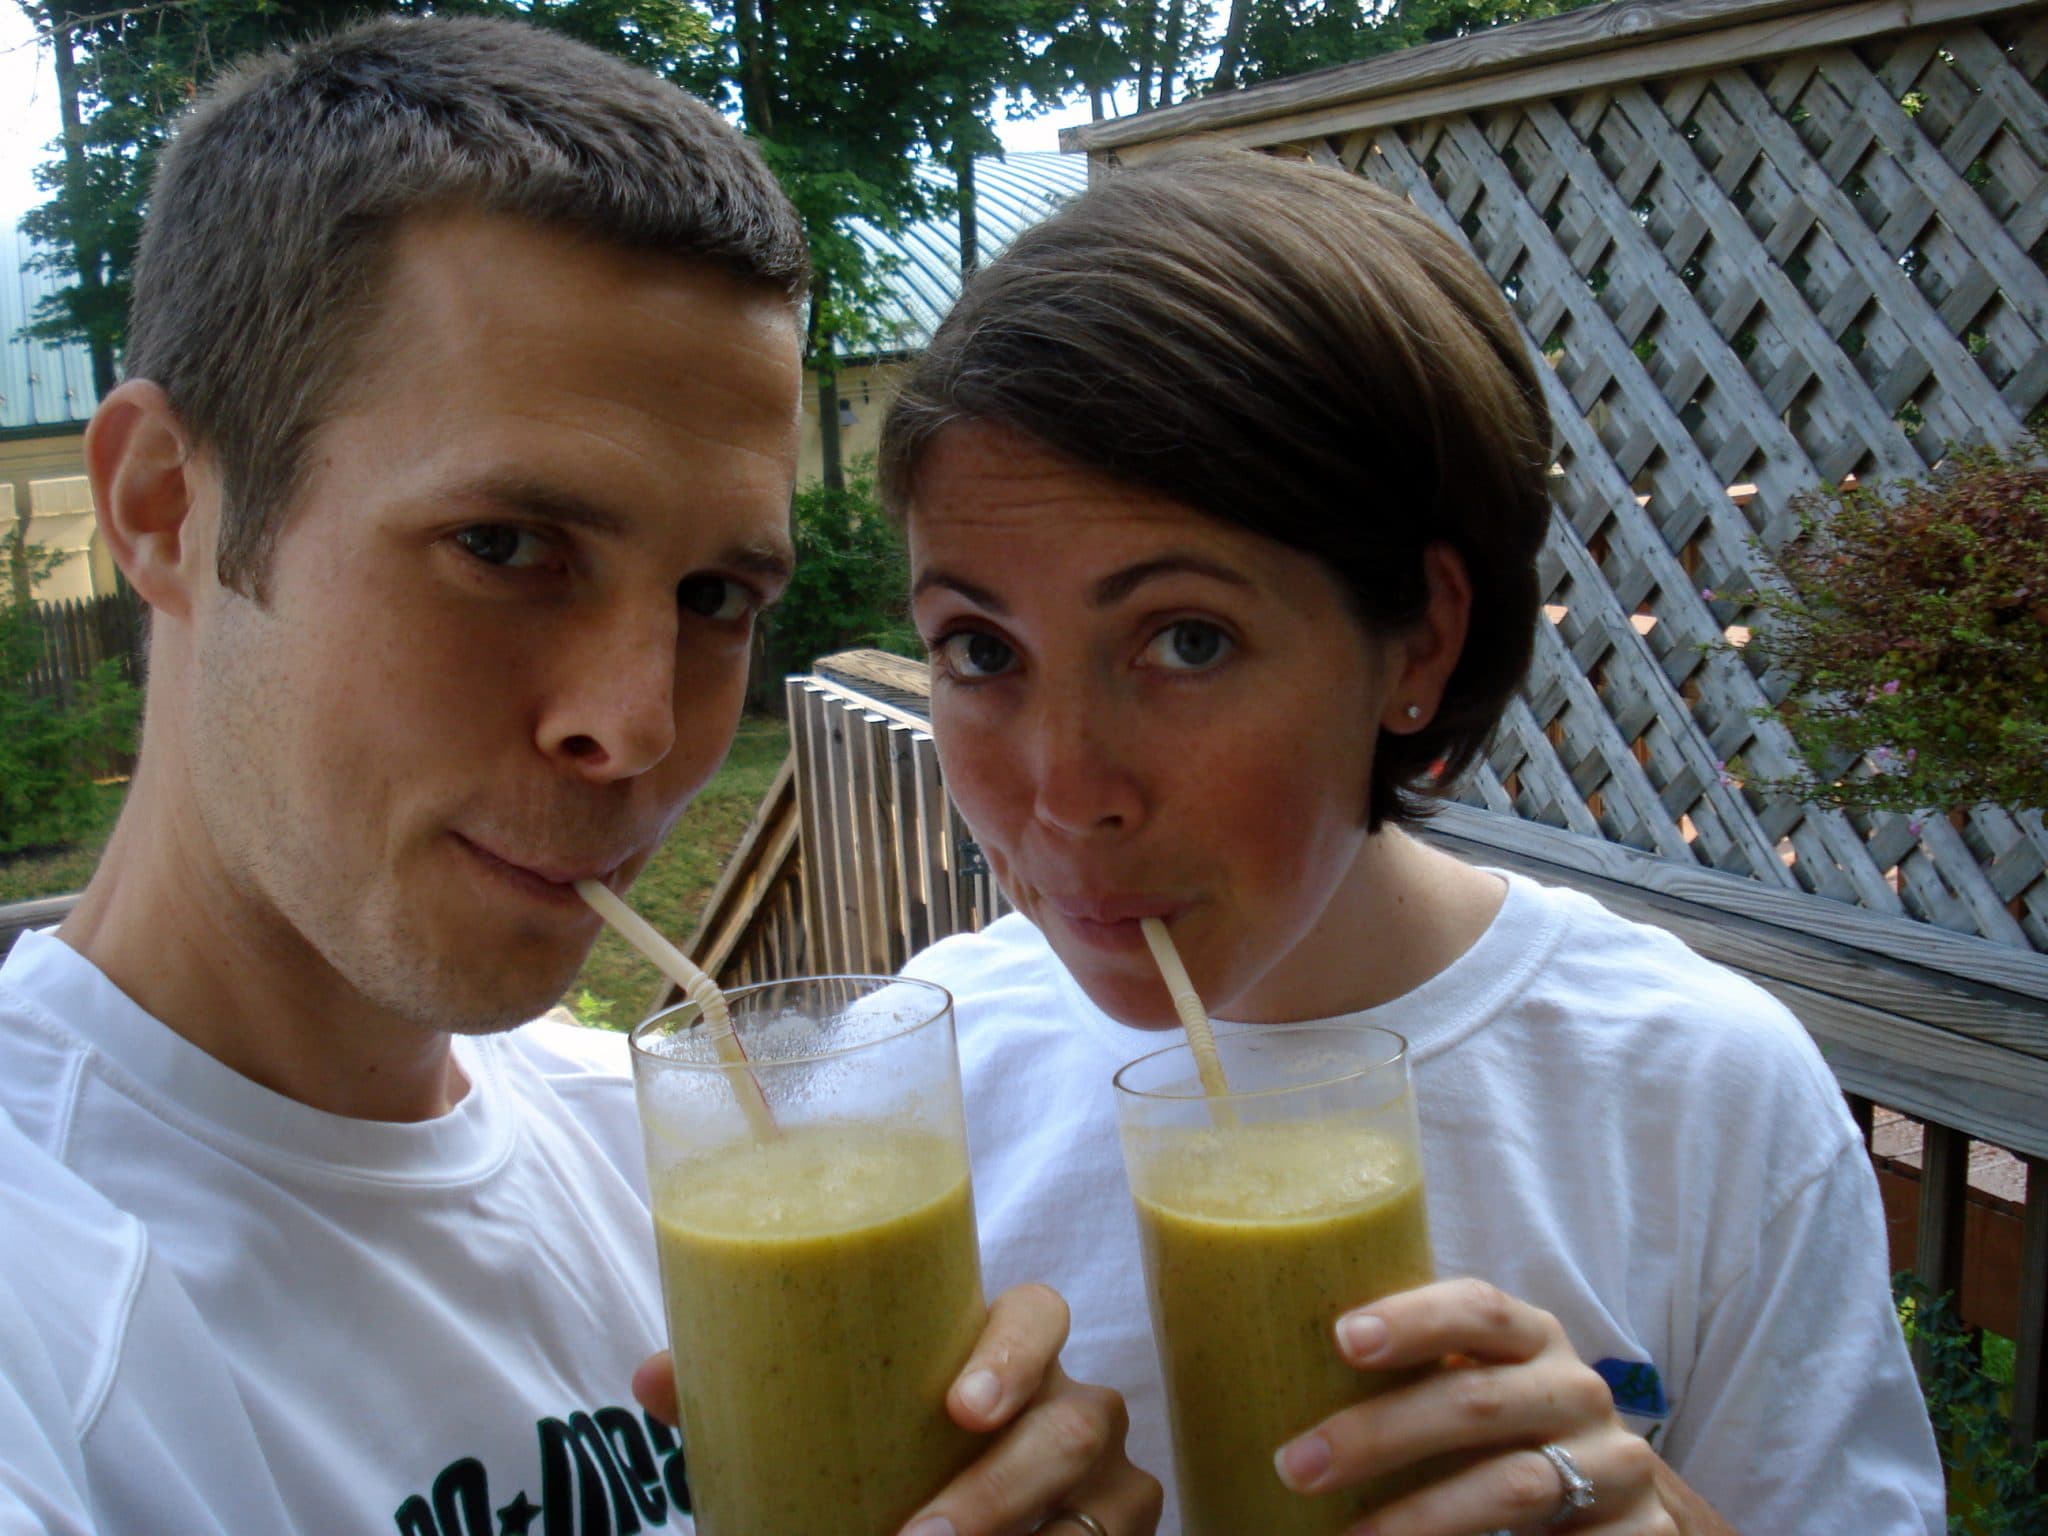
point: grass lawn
(615, 984)
(26, 876)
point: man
(454, 462)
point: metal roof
(46, 386)
(41, 385)
(1011, 194)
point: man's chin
(458, 1004)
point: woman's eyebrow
(1118, 585)
(1107, 591)
(980, 596)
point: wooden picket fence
(75, 636)
(81, 632)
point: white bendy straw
(1193, 1017)
(697, 988)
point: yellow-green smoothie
(823, 1290)
(1256, 1239)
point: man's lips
(551, 877)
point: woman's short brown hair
(1292, 350)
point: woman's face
(1142, 711)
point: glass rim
(1399, 1054)
(639, 1050)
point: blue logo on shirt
(1636, 1386)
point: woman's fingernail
(935, 1525)
(979, 1394)
(1302, 1463)
(1361, 1336)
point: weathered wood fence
(859, 859)
(81, 632)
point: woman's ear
(140, 460)
(1428, 651)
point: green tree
(124, 71)
(852, 581)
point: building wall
(45, 476)
(865, 390)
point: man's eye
(1188, 646)
(503, 545)
(973, 654)
(713, 597)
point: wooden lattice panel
(1748, 279)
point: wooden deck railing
(1946, 1030)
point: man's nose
(611, 712)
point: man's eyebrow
(770, 560)
(774, 563)
(544, 502)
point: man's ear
(1429, 650)
(144, 489)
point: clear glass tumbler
(822, 1274)
(1265, 1215)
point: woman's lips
(1112, 923)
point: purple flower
(1892, 686)
(1914, 826)
(1707, 593)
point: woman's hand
(1511, 1382)
(1058, 1445)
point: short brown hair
(1292, 350)
(271, 215)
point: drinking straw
(1193, 1017)
(697, 988)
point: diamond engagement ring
(1578, 1488)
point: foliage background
(1913, 630)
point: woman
(1224, 491)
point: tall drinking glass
(822, 1275)
(1265, 1215)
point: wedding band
(1578, 1488)
(1087, 1523)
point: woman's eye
(1188, 646)
(713, 597)
(503, 545)
(973, 654)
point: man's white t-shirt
(116, 1413)
(1636, 1140)
(427, 1328)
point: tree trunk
(1232, 57)
(1148, 52)
(751, 29)
(825, 364)
(970, 227)
(86, 255)
(1169, 66)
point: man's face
(506, 628)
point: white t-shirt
(429, 1328)
(116, 1412)
(1638, 1141)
